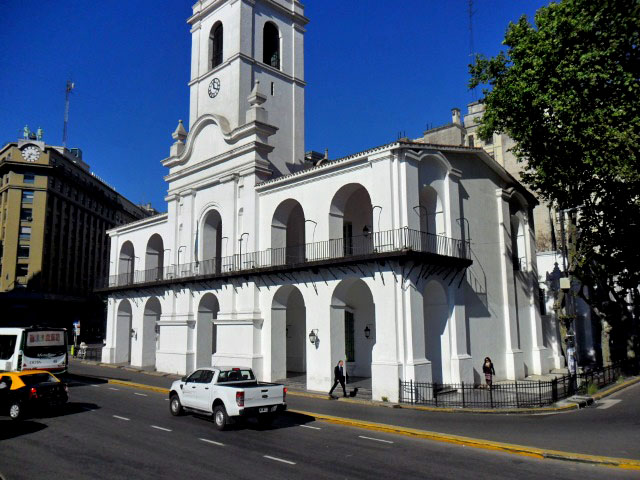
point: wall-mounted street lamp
(313, 336)
(367, 331)
(179, 249)
(366, 231)
(373, 209)
(315, 224)
(240, 240)
(134, 334)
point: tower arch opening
(215, 45)
(271, 45)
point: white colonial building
(410, 260)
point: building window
(26, 214)
(215, 46)
(349, 337)
(489, 140)
(27, 196)
(28, 178)
(271, 45)
(22, 269)
(25, 233)
(23, 251)
(471, 142)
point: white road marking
(166, 399)
(140, 394)
(161, 428)
(309, 426)
(87, 409)
(121, 418)
(604, 404)
(94, 385)
(279, 460)
(375, 439)
(111, 388)
(212, 442)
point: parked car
(29, 391)
(227, 394)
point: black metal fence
(517, 394)
(90, 352)
(373, 243)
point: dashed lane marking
(309, 426)
(279, 460)
(375, 439)
(166, 399)
(140, 394)
(604, 404)
(212, 442)
(111, 388)
(161, 428)
(121, 418)
(94, 385)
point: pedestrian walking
(338, 377)
(489, 371)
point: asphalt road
(111, 431)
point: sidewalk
(608, 432)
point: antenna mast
(472, 53)
(70, 86)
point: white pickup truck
(227, 393)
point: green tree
(567, 90)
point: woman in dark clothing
(488, 370)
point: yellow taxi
(30, 390)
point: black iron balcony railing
(377, 244)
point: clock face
(214, 87)
(31, 153)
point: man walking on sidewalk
(338, 376)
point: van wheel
(16, 411)
(175, 406)
(220, 417)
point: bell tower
(236, 43)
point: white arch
(288, 332)
(206, 330)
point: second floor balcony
(405, 243)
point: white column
(538, 350)
(461, 361)
(514, 359)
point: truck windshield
(235, 375)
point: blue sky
(373, 68)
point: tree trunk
(605, 337)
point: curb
(138, 385)
(615, 389)
(623, 463)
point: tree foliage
(567, 90)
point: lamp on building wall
(134, 334)
(179, 249)
(373, 209)
(313, 336)
(365, 231)
(367, 331)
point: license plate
(263, 410)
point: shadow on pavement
(284, 420)
(70, 408)
(11, 428)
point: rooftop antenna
(70, 86)
(474, 95)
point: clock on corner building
(31, 153)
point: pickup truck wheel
(16, 411)
(220, 417)
(175, 406)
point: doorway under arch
(149, 337)
(154, 258)
(288, 333)
(354, 317)
(126, 263)
(436, 333)
(211, 243)
(206, 330)
(123, 332)
(351, 221)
